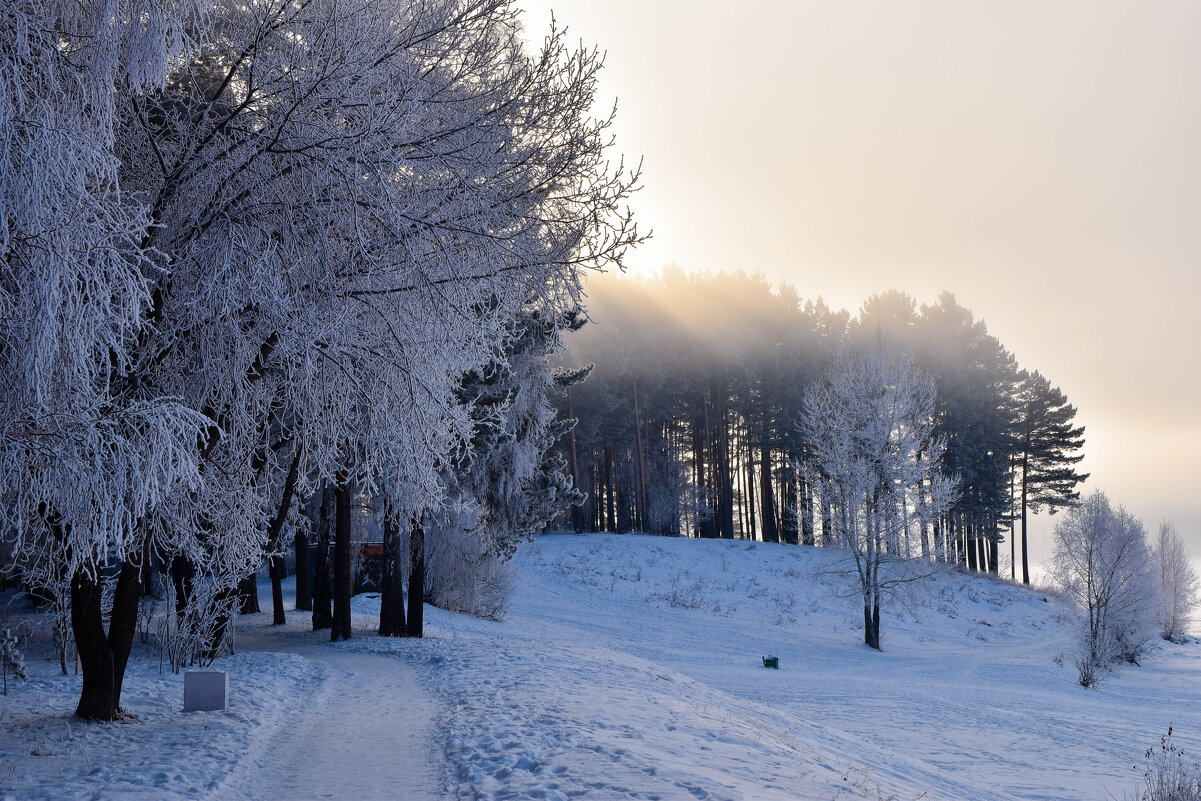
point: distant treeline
(688, 424)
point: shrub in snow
(11, 659)
(1168, 776)
(465, 572)
(1181, 590)
(1102, 563)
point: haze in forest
(1035, 160)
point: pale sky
(1042, 161)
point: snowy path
(367, 733)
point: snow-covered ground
(630, 667)
(47, 753)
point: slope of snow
(630, 667)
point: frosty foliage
(508, 481)
(1102, 563)
(1181, 589)
(241, 237)
(464, 571)
(77, 278)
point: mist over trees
(691, 423)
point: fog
(1037, 160)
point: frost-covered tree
(1102, 562)
(1178, 580)
(298, 226)
(870, 427)
(82, 460)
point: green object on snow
(771, 662)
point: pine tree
(1048, 450)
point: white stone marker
(205, 691)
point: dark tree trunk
(275, 541)
(123, 622)
(768, 512)
(97, 699)
(1025, 557)
(182, 574)
(869, 628)
(805, 499)
(304, 590)
(876, 623)
(322, 591)
(827, 516)
(278, 570)
(221, 629)
(611, 494)
(342, 577)
(416, 619)
(391, 598)
(577, 511)
(103, 657)
(248, 594)
(970, 547)
(994, 557)
(790, 512)
(727, 477)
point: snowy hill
(630, 667)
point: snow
(45, 752)
(630, 667)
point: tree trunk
(611, 493)
(416, 577)
(790, 513)
(1025, 556)
(871, 623)
(182, 574)
(768, 515)
(248, 593)
(304, 590)
(277, 570)
(876, 623)
(342, 577)
(123, 623)
(103, 657)
(391, 600)
(577, 511)
(97, 699)
(322, 591)
(970, 547)
(275, 541)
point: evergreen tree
(1048, 448)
